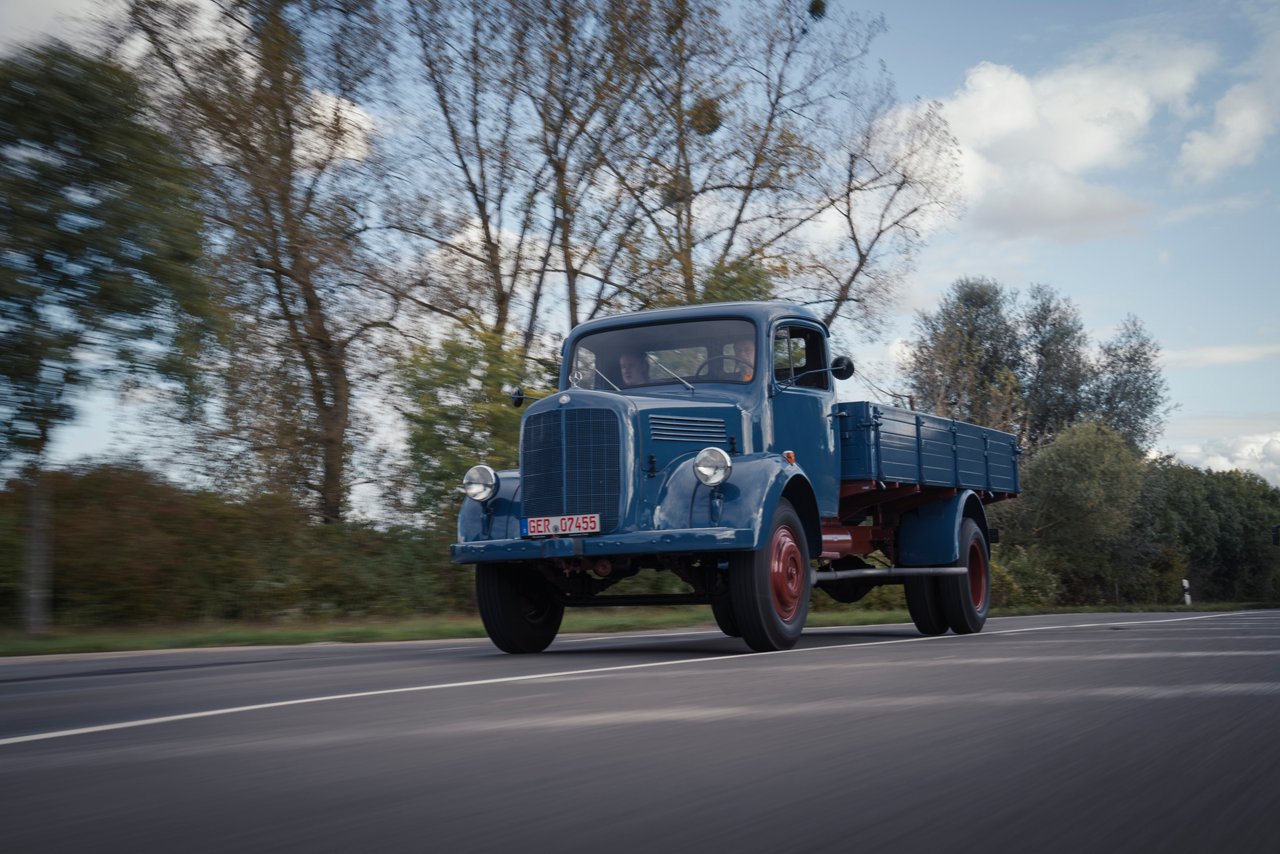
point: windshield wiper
(655, 361)
(606, 379)
(576, 377)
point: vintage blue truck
(706, 441)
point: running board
(888, 573)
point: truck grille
(680, 428)
(570, 463)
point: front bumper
(676, 541)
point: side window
(800, 352)
(782, 354)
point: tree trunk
(36, 554)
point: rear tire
(520, 609)
(966, 599)
(722, 610)
(769, 588)
(924, 603)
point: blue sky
(1125, 153)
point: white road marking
(533, 677)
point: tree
(768, 140)
(1128, 391)
(100, 246)
(1080, 493)
(264, 95)
(620, 155)
(968, 357)
(984, 356)
(457, 417)
(1055, 371)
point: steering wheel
(706, 364)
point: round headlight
(712, 466)
(480, 482)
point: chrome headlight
(712, 466)
(480, 483)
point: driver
(634, 368)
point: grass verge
(444, 627)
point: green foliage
(1054, 368)
(741, 279)
(130, 549)
(967, 357)
(1128, 390)
(1097, 524)
(985, 357)
(459, 412)
(1076, 510)
(100, 239)
(1021, 576)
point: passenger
(634, 368)
(745, 349)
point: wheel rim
(977, 575)
(786, 573)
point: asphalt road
(1086, 733)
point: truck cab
(701, 440)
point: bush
(1021, 576)
(129, 548)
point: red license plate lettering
(550, 526)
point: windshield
(693, 351)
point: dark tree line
(1025, 365)
(1099, 523)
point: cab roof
(763, 313)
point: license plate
(551, 526)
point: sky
(1128, 155)
(1125, 153)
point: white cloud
(1227, 354)
(1245, 116)
(1034, 146)
(1215, 207)
(1258, 453)
(1243, 120)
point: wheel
(769, 588)
(924, 603)
(706, 364)
(966, 599)
(722, 609)
(520, 609)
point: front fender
(496, 519)
(746, 501)
(930, 535)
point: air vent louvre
(680, 428)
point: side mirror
(842, 367)
(517, 397)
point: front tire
(520, 609)
(966, 599)
(770, 587)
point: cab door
(801, 399)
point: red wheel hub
(977, 574)
(786, 572)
